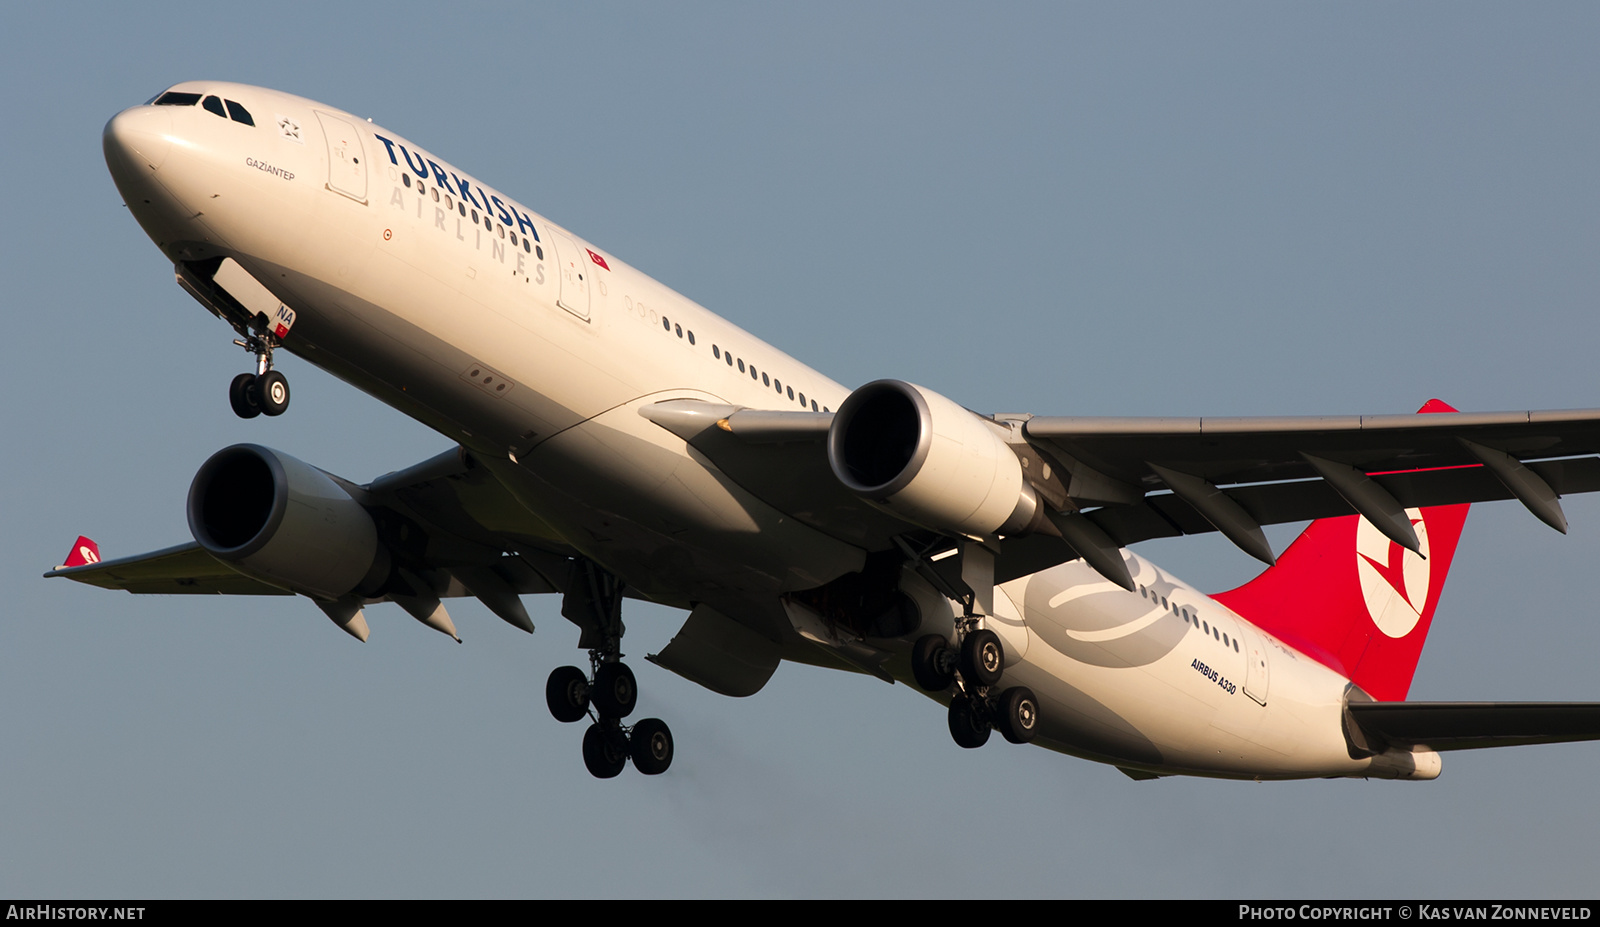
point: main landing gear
(607, 697)
(265, 392)
(974, 668)
(608, 692)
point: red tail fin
(1355, 601)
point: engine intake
(284, 522)
(929, 460)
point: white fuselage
(535, 350)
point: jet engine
(930, 461)
(284, 522)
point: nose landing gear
(265, 392)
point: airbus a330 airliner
(616, 440)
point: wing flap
(1475, 725)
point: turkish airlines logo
(1394, 581)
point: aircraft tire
(968, 727)
(603, 756)
(566, 692)
(651, 746)
(272, 393)
(615, 692)
(1018, 717)
(983, 658)
(241, 395)
(926, 656)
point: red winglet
(83, 553)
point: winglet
(83, 553)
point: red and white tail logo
(1355, 601)
(84, 552)
(1394, 580)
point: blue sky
(1065, 209)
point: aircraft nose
(138, 139)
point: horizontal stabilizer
(1473, 725)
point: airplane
(614, 440)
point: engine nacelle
(930, 461)
(284, 522)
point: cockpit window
(239, 113)
(178, 98)
(212, 104)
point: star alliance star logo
(289, 129)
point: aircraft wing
(1260, 449)
(451, 530)
(1471, 725)
(1133, 479)
(182, 570)
(1290, 469)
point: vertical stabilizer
(1347, 595)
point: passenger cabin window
(214, 105)
(239, 114)
(177, 98)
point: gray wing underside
(1109, 468)
(459, 520)
(182, 570)
(1270, 448)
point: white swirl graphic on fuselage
(1079, 614)
(1394, 581)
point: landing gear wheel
(1018, 715)
(605, 750)
(567, 693)
(982, 658)
(241, 395)
(614, 692)
(651, 746)
(968, 726)
(272, 393)
(930, 663)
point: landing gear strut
(265, 392)
(608, 692)
(974, 668)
